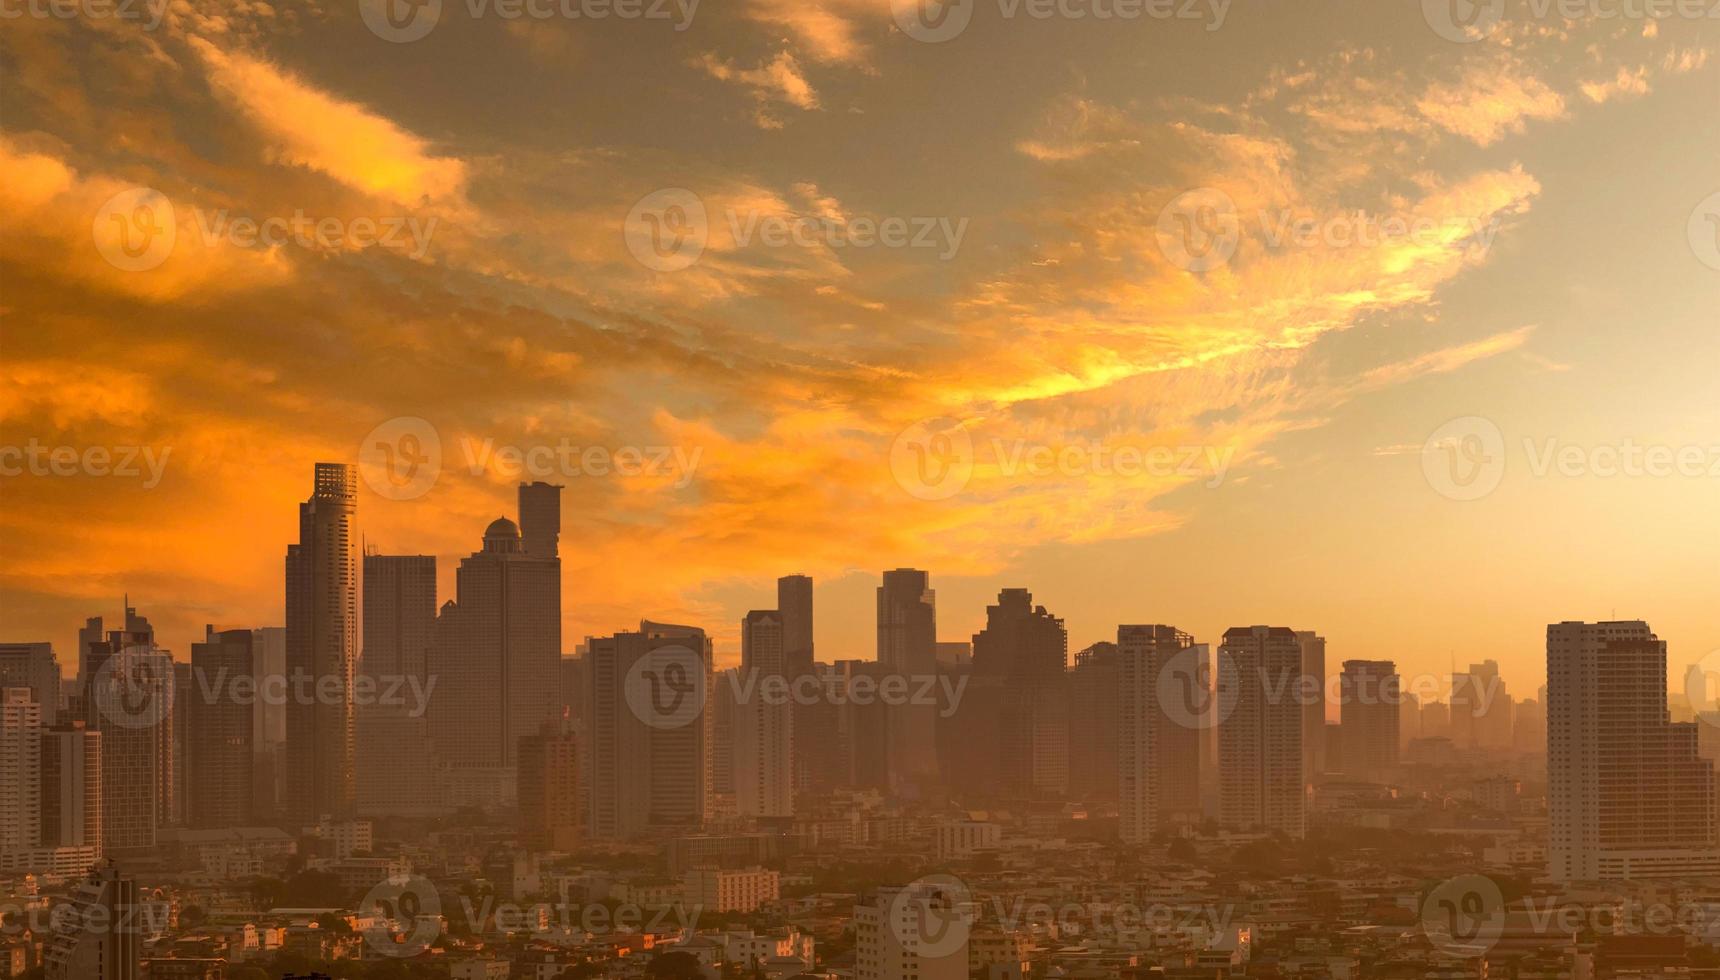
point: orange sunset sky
(1564, 173)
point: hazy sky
(1166, 317)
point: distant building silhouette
(763, 721)
(220, 727)
(1018, 707)
(322, 650)
(1260, 736)
(396, 768)
(907, 647)
(1158, 752)
(1370, 693)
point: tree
(675, 966)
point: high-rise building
(130, 698)
(651, 731)
(1018, 709)
(1313, 696)
(1158, 753)
(20, 770)
(322, 650)
(763, 721)
(549, 789)
(1629, 795)
(72, 788)
(1481, 708)
(1260, 735)
(907, 647)
(794, 603)
(269, 727)
(918, 931)
(101, 937)
(1094, 722)
(396, 767)
(32, 665)
(220, 722)
(496, 652)
(540, 520)
(1370, 692)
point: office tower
(1158, 752)
(794, 603)
(1409, 719)
(1480, 708)
(1629, 795)
(1095, 701)
(396, 769)
(186, 694)
(1260, 737)
(907, 647)
(725, 703)
(764, 721)
(20, 770)
(549, 789)
(917, 931)
(72, 788)
(496, 651)
(219, 730)
(1313, 697)
(322, 650)
(1019, 723)
(1529, 725)
(269, 727)
(540, 520)
(130, 698)
(32, 665)
(1370, 704)
(100, 937)
(650, 720)
(1436, 719)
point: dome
(501, 527)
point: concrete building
(1158, 751)
(763, 721)
(396, 766)
(33, 665)
(1370, 693)
(1260, 737)
(1314, 764)
(101, 937)
(919, 931)
(322, 650)
(220, 723)
(907, 646)
(725, 890)
(549, 789)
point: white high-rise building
(918, 931)
(1629, 794)
(1158, 751)
(20, 770)
(763, 721)
(1260, 736)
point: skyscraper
(72, 788)
(794, 602)
(322, 650)
(907, 647)
(549, 789)
(496, 652)
(269, 727)
(763, 721)
(1018, 710)
(129, 697)
(20, 770)
(650, 718)
(1260, 736)
(1629, 795)
(1094, 724)
(32, 665)
(1372, 714)
(101, 936)
(219, 729)
(1158, 754)
(1313, 694)
(396, 771)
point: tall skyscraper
(32, 665)
(651, 731)
(322, 650)
(1158, 753)
(72, 788)
(549, 789)
(1370, 692)
(496, 652)
(1260, 737)
(1629, 795)
(794, 602)
(763, 722)
(907, 647)
(1018, 727)
(219, 730)
(1313, 695)
(1481, 708)
(20, 770)
(130, 697)
(100, 938)
(269, 727)
(396, 770)
(1095, 723)
(540, 520)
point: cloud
(778, 81)
(1486, 104)
(1626, 83)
